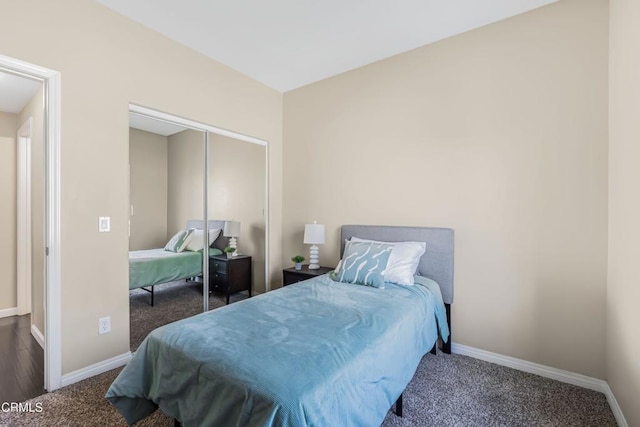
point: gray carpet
(449, 390)
(172, 301)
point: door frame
(23, 253)
(52, 308)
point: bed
(319, 352)
(151, 267)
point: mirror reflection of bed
(167, 188)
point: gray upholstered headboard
(437, 261)
(220, 242)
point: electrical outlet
(104, 325)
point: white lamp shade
(232, 229)
(314, 234)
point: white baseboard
(615, 408)
(13, 311)
(96, 369)
(35, 332)
(547, 372)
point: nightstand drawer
(217, 266)
(291, 278)
(218, 283)
(218, 278)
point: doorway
(21, 104)
(44, 317)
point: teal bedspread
(317, 353)
(155, 266)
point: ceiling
(286, 44)
(16, 92)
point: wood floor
(21, 361)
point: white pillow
(195, 243)
(213, 234)
(179, 241)
(403, 261)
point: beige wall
(236, 189)
(107, 61)
(237, 192)
(35, 110)
(499, 133)
(623, 289)
(186, 171)
(8, 170)
(8, 124)
(148, 184)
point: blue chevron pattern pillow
(363, 263)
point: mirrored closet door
(237, 192)
(167, 201)
(182, 172)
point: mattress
(155, 266)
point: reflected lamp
(232, 231)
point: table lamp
(314, 235)
(232, 230)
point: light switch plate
(104, 224)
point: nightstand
(291, 275)
(229, 275)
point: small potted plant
(231, 252)
(298, 260)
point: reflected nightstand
(229, 275)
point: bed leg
(446, 346)
(176, 423)
(151, 296)
(399, 406)
(433, 349)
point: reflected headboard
(437, 261)
(220, 242)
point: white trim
(8, 312)
(615, 408)
(530, 367)
(37, 335)
(205, 215)
(267, 209)
(547, 372)
(53, 324)
(96, 369)
(53, 305)
(23, 220)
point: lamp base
(314, 262)
(233, 243)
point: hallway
(21, 361)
